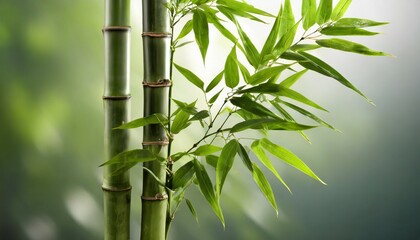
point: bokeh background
(51, 131)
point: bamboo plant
(244, 103)
(116, 184)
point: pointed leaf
(157, 118)
(212, 160)
(251, 51)
(248, 104)
(324, 11)
(273, 37)
(207, 190)
(264, 186)
(308, 13)
(183, 176)
(340, 9)
(266, 73)
(288, 82)
(200, 116)
(287, 92)
(180, 122)
(225, 163)
(205, 150)
(244, 71)
(259, 152)
(268, 124)
(132, 156)
(288, 157)
(286, 41)
(348, 46)
(216, 80)
(192, 210)
(214, 98)
(245, 157)
(304, 47)
(231, 69)
(190, 76)
(243, 6)
(357, 23)
(346, 31)
(185, 30)
(201, 32)
(287, 18)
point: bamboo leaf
(248, 104)
(286, 41)
(180, 122)
(251, 52)
(206, 188)
(259, 152)
(272, 38)
(268, 124)
(348, 46)
(288, 82)
(201, 32)
(308, 114)
(308, 13)
(324, 11)
(244, 71)
(243, 6)
(185, 30)
(200, 116)
(357, 23)
(340, 9)
(190, 76)
(346, 31)
(156, 118)
(192, 210)
(212, 160)
(266, 73)
(288, 157)
(304, 47)
(216, 22)
(287, 92)
(230, 12)
(132, 156)
(264, 186)
(214, 98)
(231, 69)
(245, 157)
(320, 66)
(287, 18)
(205, 150)
(216, 80)
(225, 163)
(262, 88)
(183, 176)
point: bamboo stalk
(156, 84)
(116, 188)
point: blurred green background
(51, 82)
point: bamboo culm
(116, 98)
(156, 85)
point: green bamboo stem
(156, 83)
(116, 188)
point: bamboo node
(116, 28)
(124, 97)
(111, 189)
(157, 197)
(157, 34)
(164, 142)
(159, 83)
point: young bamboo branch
(117, 188)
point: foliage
(252, 90)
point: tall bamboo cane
(116, 188)
(156, 83)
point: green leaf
(287, 92)
(288, 82)
(340, 9)
(264, 186)
(320, 66)
(200, 116)
(287, 20)
(157, 118)
(132, 156)
(288, 157)
(185, 30)
(268, 124)
(201, 32)
(324, 11)
(180, 122)
(190, 76)
(183, 176)
(186, 107)
(248, 104)
(225, 32)
(304, 47)
(207, 190)
(230, 12)
(251, 52)
(214, 98)
(225, 163)
(212, 160)
(308, 13)
(272, 38)
(244, 71)
(259, 152)
(286, 41)
(262, 88)
(357, 23)
(216, 80)
(266, 73)
(245, 157)
(308, 114)
(346, 31)
(205, 150)
(231, 69)
(192, 210)
(348, 46)
(244, 7)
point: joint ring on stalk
(157, 34)
(159, 83)
(157, 197)
(159, 143)
(116, 28)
